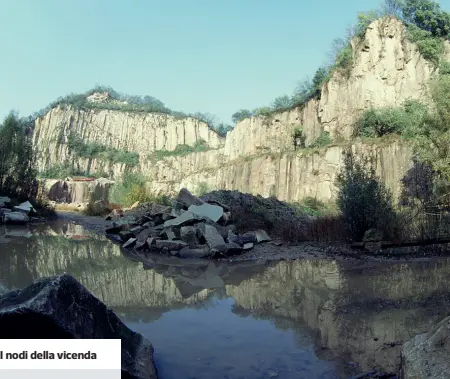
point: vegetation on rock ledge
(81, 149)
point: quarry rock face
(73, 191)
(258, 156)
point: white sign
(60, 354)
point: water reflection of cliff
(361, 314)
(93, 260)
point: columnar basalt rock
(258, 156)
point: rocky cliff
(258, 155)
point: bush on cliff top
(130, 103)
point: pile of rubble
(191, 228)
(18, 214)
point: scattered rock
(168, 234)
(130, 242)
(188, 199)
(133, 206)
(15, 218)
(198, 252)
(125, 235)
(171, 245)
(213, 212)
(261, 235)
(190, 229)
(5, 201)
(248, 246)
(60, 307)
(189, 235)
(25, 207)
(114, 215)
(150, 242)
(233, 249)
(136, 229)
(373, 235)
(187, 218)
(213, 238)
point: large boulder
(15, 218)
(427, 355)
(60, 307)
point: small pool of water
(296, 319)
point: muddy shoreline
(278, 250)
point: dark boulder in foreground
(60, 307)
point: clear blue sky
(212, 56)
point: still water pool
(290, 319)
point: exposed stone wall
(257, 155)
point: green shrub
(432, 135)
(263, 111)
(403, 120)
(444, 68)
(181, 150)
(202, 188)
(311, 206)
(323, 140)
(364, 202)
(132, 189)
(298, 137)
(60, 171)
(240, 115)
(344, 60)
(81, 149)
(129, 190)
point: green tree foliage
(240, 115)
(281, 103)
(319, 79)
(432, 135)
(427, 15)
(430, 47)
(223, 129)
(263, 111)
(364, 19)
(17, 165)
(364, 202)
(131, 189)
